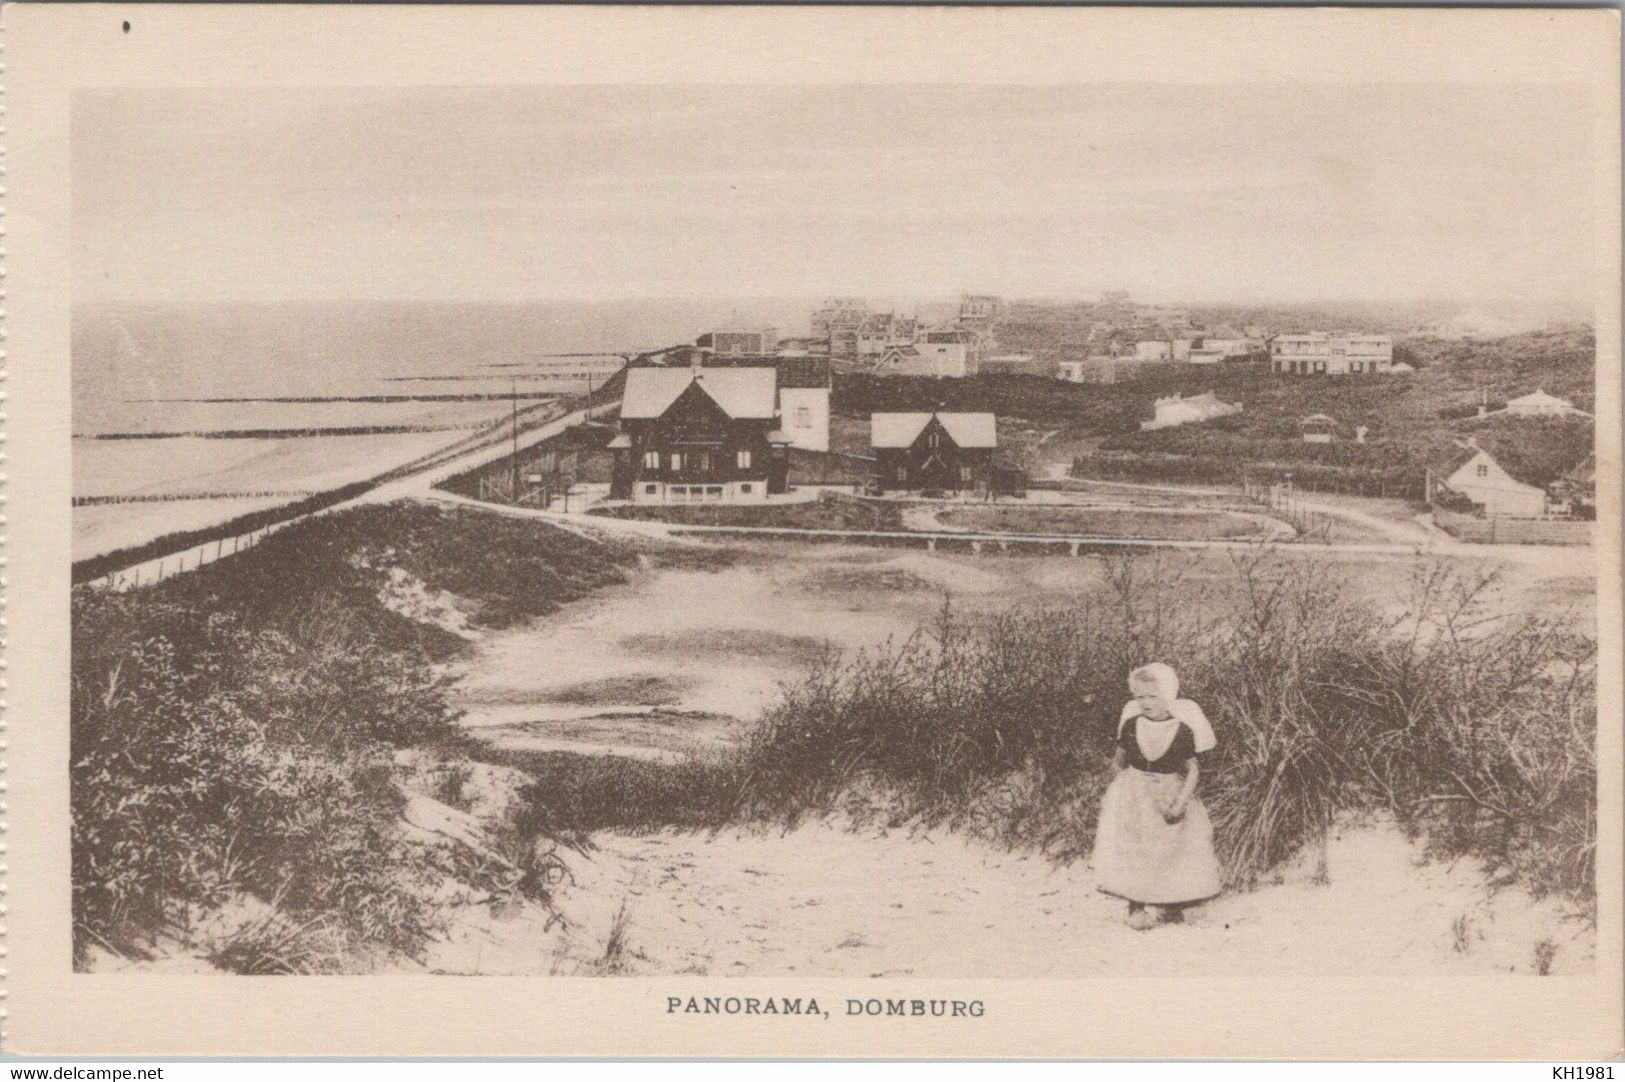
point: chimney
(1483, 411)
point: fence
(1502, 530)
(1287, 504)
(163, 567)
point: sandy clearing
(670, 644)
(825, 901)
(683, 656)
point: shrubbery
(233, 730)
(1479, 733)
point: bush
(212, 760)
(1478, 733)
(233, 730)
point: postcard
(811, 532)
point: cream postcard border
(52, 49)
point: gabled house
(1473, 473)
(691, 435)
(937, 451)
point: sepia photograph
(600, 597)
(895, 535)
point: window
(745, 488)
(964, 473)
(713, 492)
(902, 473)
(651, 460)
(1483, 471)
(744, 460)
(704, 461)
(650, 490)
(803, 420)
(676, 462)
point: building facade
(1318, 428)
(739, 342)
(699, 435)
(1486, 483)
(949, 353)
(1319, 354)
(933, 452)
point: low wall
(1500, 530)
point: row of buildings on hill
(850, 333)
(1315, 353)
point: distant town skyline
(1218, 194)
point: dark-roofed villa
(945, 452)
(699, 435)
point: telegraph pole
(515, 460)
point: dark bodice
(1181, 748)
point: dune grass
(1477, 732)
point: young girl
(1154, 844)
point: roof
(1540, 398)
(619, 442)
(902, 429)
(1446, 461)
(743, 393)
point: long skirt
(1143, 857)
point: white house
(1320, 354)
(1174, 410)
(942, 353)
(804, 384)
(1541, 404)
(1318, 428)
(1475, 474)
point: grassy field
(1095, 523)
(1045, 421)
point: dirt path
(1406, 532)
(825, 901)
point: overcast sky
(1174, 193)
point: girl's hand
(1174, 812)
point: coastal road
(1551, 556)
(418, 483)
